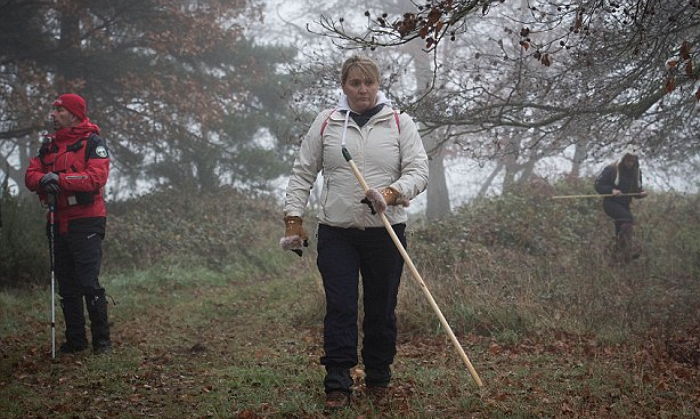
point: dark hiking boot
(74, 317)
(102, 347)
(625, 248)
(336, 400)
(337, 379)
(99, 324)
(72, 347)
(377, 376)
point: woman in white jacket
(389, 152)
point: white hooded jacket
(385, 154)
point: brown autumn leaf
(685, 50)
(495, 349)
(697, 95)
(438, 26)
(423, 32)
(524, 44)
(689, 69)
(61, 408)
(500, 396)
(247, 414)
(546, 61)
(434, 15)
(670, 84)
(566, 408)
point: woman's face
(361, 90)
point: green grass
(192, 342)
(234, 327)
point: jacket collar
(344, 114)
(343, 104)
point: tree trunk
(438, 198)
(438, 204)
(580, 153)
(527, 170)
(69, 44)
(510, 161)
(489, 180)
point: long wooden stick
(597, 195)
(416, 275)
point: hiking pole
(52, 213)
(595, 195)
(416, 275)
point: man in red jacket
(71, 170)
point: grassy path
(194, 343)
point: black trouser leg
(71, 296)
(339, 264)
(342, 253)
(89, 247)
(337, 379)
(74, 316)
(99, 322)
(78, 259)
(619, 212)
(624, 229)
(381, 269)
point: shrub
(212, 229)
(191, 227)
(516, 264)
(24, 249)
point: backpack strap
(325, 121)
(90, 144)
(396, 118)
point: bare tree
(619, 71)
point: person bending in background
(619, 180)
(351, 239)
(72, 169)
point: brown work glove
(378, 201)
(294, 235)
(392, 196)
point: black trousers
(619, 212)
(77, 260)
(344, 254)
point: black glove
(49, 182)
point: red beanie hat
(74, 103)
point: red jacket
(79, 156)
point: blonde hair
(365, 64)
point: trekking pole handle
(416, 275)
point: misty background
(199, 94)
(204, 103)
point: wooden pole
(416, 275)
(597, 195)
